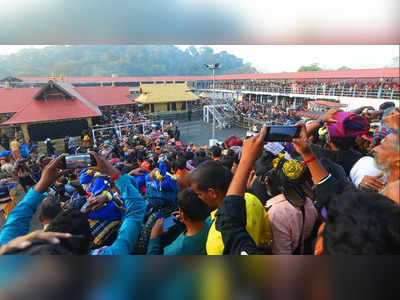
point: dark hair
(201, 153)
(231, 153)
(343, 143)
(264, 163)
(227, 161)
(386, 105)
(216, 151)
(362, 222)
(172, 156)
(195, 209)
(188, 155)
(49, 208)
(70, 246)
(198, 160)
(180, 164)
(211, 174)
(74, 222)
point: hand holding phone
(281, 133)
(79, 161)
(170, 222)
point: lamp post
(213, 67)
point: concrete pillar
(379, 92)
(89, 121)
(25, 132)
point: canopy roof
(327, 103)
(164, 93)
(339, 74)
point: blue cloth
(24, 149)
(132, 224)
(69, 188)
(5, 153)
(140, 180)
(166, 184)
(160, 197)
(18, 221)
(109, 213)
(98, 186)
(183, 245)
(85, 178)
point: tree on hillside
(310, 68)
(123, 60)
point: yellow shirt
(86, 140)
(257, 225)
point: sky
(288, 58)
(279, 58)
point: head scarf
(348, 125)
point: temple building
(58, 109)
(165, 97)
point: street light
(213, 67)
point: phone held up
(79, 161)
(281, 133)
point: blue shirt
(183, 245)
(18, 221)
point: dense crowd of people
(377, 88)
(259, 85)
(332, 190)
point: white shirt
(364, 166)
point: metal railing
(337, 91)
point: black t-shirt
(345, 158)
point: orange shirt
(180, 172)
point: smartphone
(169, 222)
(79, 161)
(281, 133)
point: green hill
(119, 60)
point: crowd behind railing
(385, 89)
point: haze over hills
(119, 60)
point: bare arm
(252, 149)
(302, 146)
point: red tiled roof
(340, 74)
(327, 103)
(311, 115)
(105, 96)
(14, 99)
(55, 108)
(17, 99)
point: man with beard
(387, 156)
